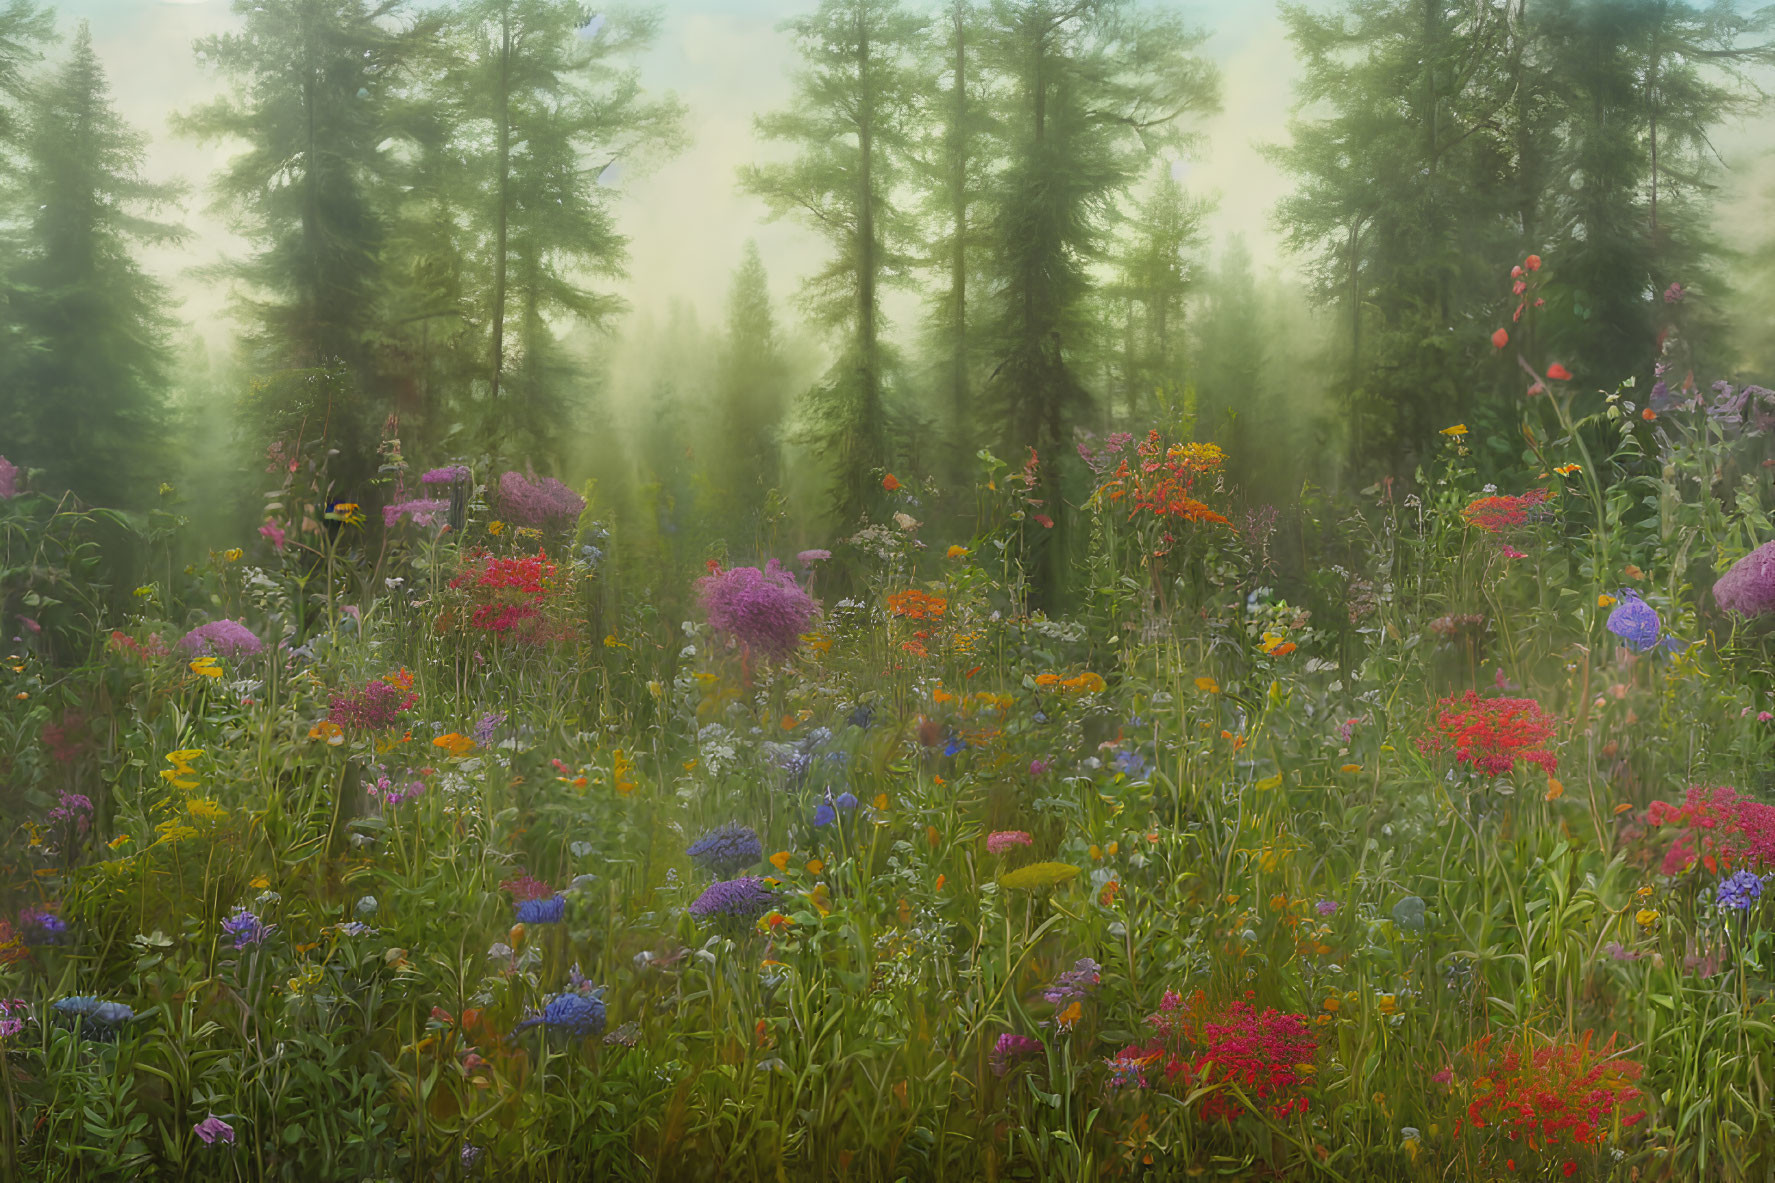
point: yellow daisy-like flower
(1647, 917)
(1605, 600)
(207, 667)
(233, 554)
(496, 528)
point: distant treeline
(433, 252)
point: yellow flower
(1457, 430)
(780, 860)
(612, 642)
(119, 842)
(208, 667)
(233, 554)
(1604, 600)
(815, 866)
(620, 767)
(205, 810)
(349, 512)
(1207, 685)
(496, 528)
(1331, 1004)
(1351, 768)
(1388, 1004)
(958, 552)
(258, 882)
(1569, 469)
(1036, 876)
(1086, 683)
(1647, 917)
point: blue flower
(727, 849)
(829, 809)
(549, 910)
(955, 746)
(1740, 890)
(734, 905)
(246, 928)
(577, 1013)
(1635, 622)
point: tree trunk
(502, 212)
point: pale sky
(687, 220)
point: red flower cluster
(1265, 1056)
(527, 887)
(505, 596)
(1718, 829)
(378, 706)
(149, 650)
(1494, 515)
(1492, 734)
(1161, 479)
(1559, 1091)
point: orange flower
(1559, 373)
(941, 880)
(1066, 1018)
(1500, 338)
(916, 648)
(891, 483)
(780, 860)
(914, 604)
(931, 836)
(456, 745)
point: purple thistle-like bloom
(1740, 890)
(379, 705)
(421, 511)
(222, 638)
(73, 810)
(213, 1129)
(763, 610)
(447, 475)
(727, 849)
(487, 726)
(1635, 622)
(551, 910)
(8, 479)
(1010, 1050)
(1077, 982)
(1326, 907)
(1748, 588)
(538, 501)
(734, 905)
(246, 928)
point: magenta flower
(1748, 588)
(538, 501)
(274, 533)
(762, 610)
(213, 1129)
(1004, 840)
(221, 638)
(808, 558)
(421, 511)
(448, 475)
(8, 479)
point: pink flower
(1004, 840)
(213, 1129)
(1510, 552)
(1764, 716)
(761, 609)
(8, 479)
(273, 532)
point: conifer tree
(750, 394)
(86, 401)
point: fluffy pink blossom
(273, 533)
(421, 511)
(223, 638)
(538, 500)
(8, 478)
(1004, 840)
(761, 609)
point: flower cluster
(734, 905)
(376, 707)
(1748, 586)
(1499, 513)
(727, 849)
(1159, 481)
(421, 511)
(1011, 1050)
(1740, 890)
(538, 501)
(246, 928)
(914, 604)
(1004, 840)
(1266, 1056)
(1717, 829)
(1636, 622)
(450, 474)
(1552, 1091)
(8, 479)
(1492, 734)
(576, 1012)
(763, 610)
(505, 596)
(1079, 982)
(221, 638)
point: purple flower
(734, 905)
(1635, 622)
(1740, 890)
(377, 706)
(448, 475)
(489, 724)
(1674, 294)
(1076, 983)
(73, 810)
(421, 511)
(577, 1013)
(471, 1155)
(1005, 840)
(1748, 588)
(8, 479)
(538, 501)
(246, 928)
(727, 849)
(213, 1129)
(1010, 1050)
(762, 610)
(222, 638)
(40, 926)
(1038, 766)
(1326, 907)
(808, 558)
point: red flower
(1533, 262)
(1559, 373)
(1492, 734)
(1500, 338)
(890, 482)
(1496, 514)
(1047, 523)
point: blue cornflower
(955, 746)
(734, 905)
(548, 910)
(727, 849)
(246, 928)
(1740, 890)
(577, 1013)
(829, 809)
(1635, 622)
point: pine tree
(750, 394)
(547, 111)
(851, 123)
(1095, 89)
(23, 29)
(86, 403)
(1154, 275)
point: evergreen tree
(750, 396)
(547, 113)
(1154, 275)
(851, 123)
(23, 29)
(1095, 89)
(86, 403)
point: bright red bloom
(1559, 1091)
(1261, 1054)
(891, 483)
(1492, 734)
(1500, 338)
(1559, 373)
(1499, 513)
(1533, 262)
(1717, 829)
(507, 596)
